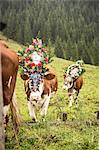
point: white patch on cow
(36, 95)
(45, 105)
(5, 110)
(71, 100)
(31, 110)
(68, 83)
(65, 87)
(9, 82)
(52, 94)
(74, 91)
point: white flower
(74, 72)
(36, 58)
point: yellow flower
(25, 55)
(39, 46)
(45, 66)
(36, 48)
(33, 67)
(26, 64)
(31, 47)
(30, 55)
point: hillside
(79, 132)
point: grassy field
(81, 129)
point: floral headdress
(75, 70)
(35, 57)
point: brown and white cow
(9, 68)
(73, 87)
(39, 89)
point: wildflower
(39, 64)
(46, 60)
(32, 65)
(27, 59)
(27, 50)
(31, 47)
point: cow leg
(71, 100)
(31, 108)
(5, 116)
(76, 99)
(45, 106)
(70, 94)
(13, 106)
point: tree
(27, 29)
(59, 47)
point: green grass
(79, 132)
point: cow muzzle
(36, 96)
(68, 83)
(65, 87)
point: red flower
(27, 50)
(32, 64)
(46, 60)
(43, 49)
(40, 64)
(27, 59)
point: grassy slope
(79, 132)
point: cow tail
(15, 112)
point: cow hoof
(33, 120)
(64, 115)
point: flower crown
(75, 69)
(35, 57)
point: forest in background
(70, 27)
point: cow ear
(49, 76)
(24, 76)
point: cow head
(68, 82)
(36, 84)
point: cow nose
(34, 96)
(34, 90)
(37, 97)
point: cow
(73, 87)
(9, 69)
(39, 90)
